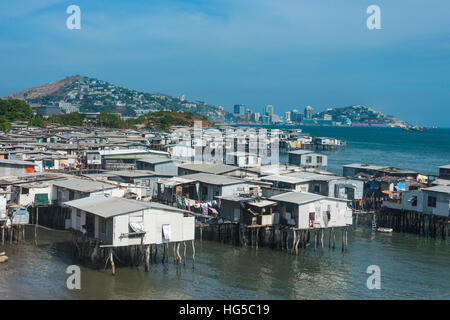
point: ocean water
(420, 151)
(412, 267)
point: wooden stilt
(3, 236)
(193, 254)
(315, 239)
(147, 258)
(334, 238)
(111, 259)
(178, 253)
(35, 225)
(184, 255)
(164, 253)
(321, 236)
(257, 238)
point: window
(414, 201)
(317, 188)
(319, 159)
(25, 191)
(308, 159)
(432, 201)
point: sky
(288, 53)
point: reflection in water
(411, 268)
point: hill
(162, 120)
(362, 115)
(93, 95)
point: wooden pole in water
(334, 238)
(23, 233)
(35, 225)
(111, 258)
(193, 254)
(257, 238)
(178, 253)
(147, 258)
(184, 255)
(164, 253)
(3, 235)
(321, 236)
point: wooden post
(35, 225)
(147, 258)
(334, 238)
(3, 235)
(184, 255)
(193, 254)
(164, 253)
(178, 253)
(111, 258)
(321, 237)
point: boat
(386, 230)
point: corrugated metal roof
(443, 189)
(132, 173)
(155, 159)
(308, 176)
(83, 185)
(447, 166)
(297, 197)
(17, 162)
(213, 179)
(300, 152)
(107, 206)
(214, 168)
(285, 179)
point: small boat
(387, 230)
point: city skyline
(217, 51)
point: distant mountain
(362, 115)
(93, 95)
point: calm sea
(420, 151)
(411, 267)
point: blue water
(419, 151)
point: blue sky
(288, 53)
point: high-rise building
(287, 116)
(309, 111)
(256, 116)
(248, 114)
(268, 110)
(296, 116)
(239, 109)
